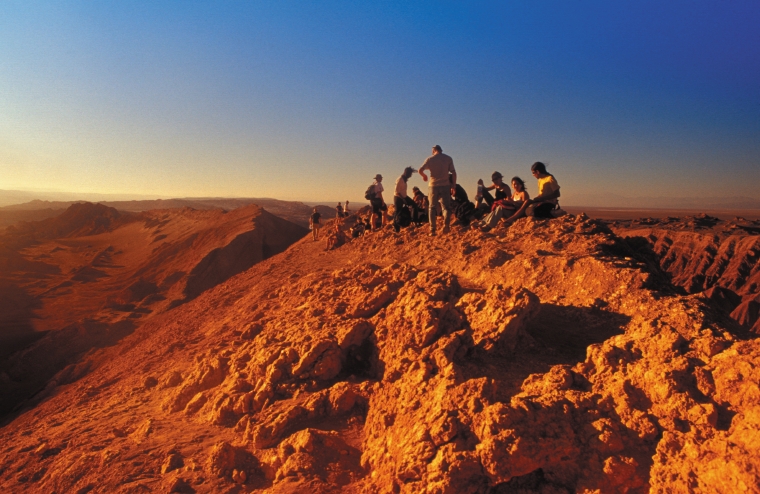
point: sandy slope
(551, 357)
(93, 274)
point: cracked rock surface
(554, 356)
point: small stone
(172, 462)
(180, 485)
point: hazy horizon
(302, 102)
(16, 197)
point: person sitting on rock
(520, 195)
(339, 210)
(345, 210)
(421, 201)
(357, 230)
(336, 238)
(402, 203)
(502, 190)
(479, 194)
(542, 205)
(464, 210)
(314, 224)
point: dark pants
(543, 210)
(377, 206)
(488, 198)
(400, 202)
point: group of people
(447, 198)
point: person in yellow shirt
(547, 198)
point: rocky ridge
(550, 357)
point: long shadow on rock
(638, 252)
(558, 335)
(55, 356)
(16, 313)
(565, 331)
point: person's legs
(432, 201)
(446, 201)
(493, 217)
(488, 198)
(543, 210)
(398, 204)
(376, 212)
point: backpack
(370, 194)
(464, 211)
(403, 217)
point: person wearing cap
(441, 188)
(400, 198)
(378, 203)
(502, 190)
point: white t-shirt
(378, 189)
(400, 187)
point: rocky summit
(555, 356)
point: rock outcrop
(548, 357)
(715, 257)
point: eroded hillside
(90, 276)
(550, 357)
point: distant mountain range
(11, 197)
(36, 209)
(698, 203)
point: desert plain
(210, 347)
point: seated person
(336, 238)
(505, 207)
(419, 215)
(520, 195)
(357, 230)
(547, 199)
(502, 190)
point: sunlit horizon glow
(308, 102)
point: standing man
(314, 224)
(378, 203)
(441, 188)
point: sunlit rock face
(554, 356)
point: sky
(309, 100)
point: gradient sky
(308, 100)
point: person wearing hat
(378, 203)
(502, 190)
(441, 188)
(401, 199)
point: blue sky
(307, 101)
